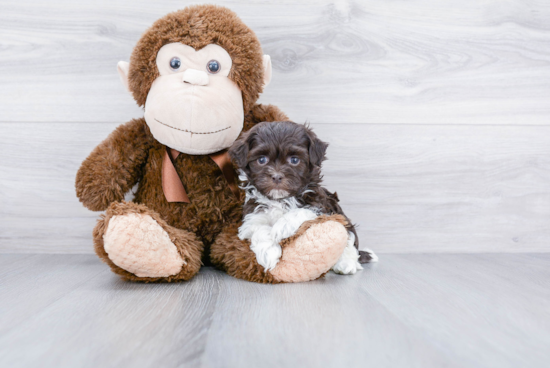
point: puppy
(280, 167)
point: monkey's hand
(114, 166)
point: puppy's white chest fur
(275, 220)
(271, 222)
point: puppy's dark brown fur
(293, 155)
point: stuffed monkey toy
(198, 73)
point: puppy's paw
(367, 256)
(270, 257)
(252, 222)
(348, 264)
(268, 252)
(287, 225)
(347, 267)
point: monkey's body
(154, 239)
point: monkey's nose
(277, 178)
(194, 76)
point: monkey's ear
(239, 151)
(317, 149)
(123, 67)
(267, 70)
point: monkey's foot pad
(312, 253)
(138, 244)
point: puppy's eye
(213, 66)
(262, 160)
(175, 63)
(294, 160)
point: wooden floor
(422, 310)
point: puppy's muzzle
(277, 178)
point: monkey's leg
(139, 245)
(307, 255)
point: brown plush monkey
(198, 72)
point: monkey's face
(197, 71)
(193, 106)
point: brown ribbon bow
(171, 182)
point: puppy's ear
(317, 149)
(239, 151)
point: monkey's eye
(262, 160)
(175, 63)
(213, 66)
(294, 160)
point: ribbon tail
(223, 161)
(171, 183)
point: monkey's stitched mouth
(188, 131)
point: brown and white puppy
(280, 167)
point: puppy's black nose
(277, 178)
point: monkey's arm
(114, 166)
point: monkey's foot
(139, 245)
(313, 250)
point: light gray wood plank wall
(437, 113)
(377, 61)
